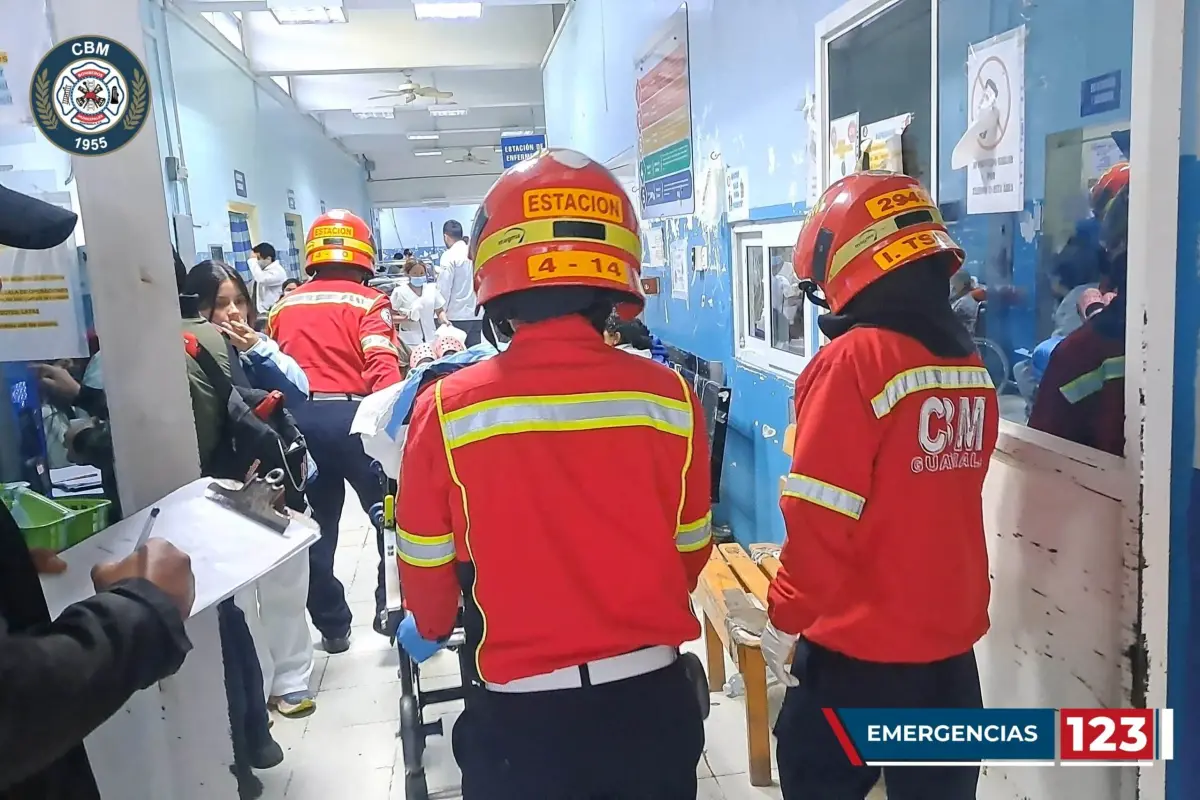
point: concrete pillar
(170, 742)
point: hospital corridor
(599, 399)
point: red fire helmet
(1114, 179)
(557, 219)
(339, 237)
(864, 226)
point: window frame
(758, 353)
(225, 22)
(1087, 466)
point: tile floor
(349, 748)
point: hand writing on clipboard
(157, 561)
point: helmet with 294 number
(864, 226)
(557, 219)
(339, 238)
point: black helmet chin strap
(494, 330)
(814, 294)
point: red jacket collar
(572, 329)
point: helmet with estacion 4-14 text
(557, 219)
(339, 238)
(863, 227)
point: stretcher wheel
(412, 733)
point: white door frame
(1157, 91)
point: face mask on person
(417, 282)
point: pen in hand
(144, 536)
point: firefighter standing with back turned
(340, 332)
(883, 585)
(576, 590)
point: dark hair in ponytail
(631, 332)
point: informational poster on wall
(41, 304)
(1098, 155)
(664, 120)
(679, 269)
(994, 147)
(737, 194)
(656, 246)
(843, 148)
(882, 142)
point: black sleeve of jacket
(61, 680)
(94, 401)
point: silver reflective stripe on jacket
(924, 379)
(570, 412)
(824, 494)
(424, 551)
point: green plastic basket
(89, 517)
(42, 521)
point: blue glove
(417, 646)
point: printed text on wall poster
(664, 120)
(996, 80)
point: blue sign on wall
(1100, 94)
(515, 149)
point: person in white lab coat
(418, 305)
(456, 282)
(269, 277)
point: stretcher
(414, 727)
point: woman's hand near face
(242, 335)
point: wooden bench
(732, 595)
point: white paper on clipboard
(228, 550)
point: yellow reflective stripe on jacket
(922, 379)
(694, 535)
(823, 494)
(567, 412)
(424, 551)
(377, 342)
(1089, 383)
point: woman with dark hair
(224, 300)
(289, 285)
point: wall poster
(843, 148)
(996, 106)
(664, 120)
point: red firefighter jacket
(569, 484)
(1082, 395)
(885, 558)
(340, 333)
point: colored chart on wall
(664, 110)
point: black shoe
(335, 644)
(249, 785)
(267, 756)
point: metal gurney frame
(414, 729)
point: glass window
(773, 317)
(228, 25)
(876, 82)
(787, 303)
(756, 322)
(1045, 266)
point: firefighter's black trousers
(636, 739)
(811, 762)
(340, 460)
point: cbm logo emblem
(90, 95)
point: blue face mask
(417, 282)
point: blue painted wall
(752, 67)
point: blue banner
(515, 149)
(873, 735)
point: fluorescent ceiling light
(499, 149)
(422, 137)
(301, 12)
(517, 133)
(437, 10)
(375, 113)
(427, 152)
(449, 160)
(434, 111)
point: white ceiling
(492, 65)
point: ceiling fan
(410, 90)
(469, 158)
